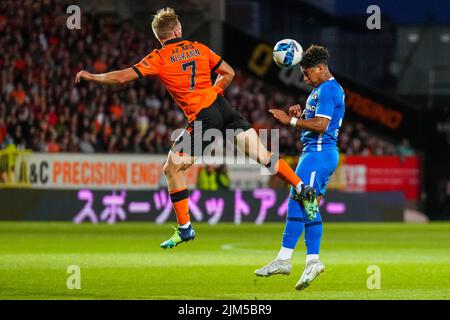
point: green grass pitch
(124, 261)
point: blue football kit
(318, 161)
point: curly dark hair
(314, 55)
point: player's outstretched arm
(316, 124)
(110, 78)
(226, 75)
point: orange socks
(180, 205)
(285, 172)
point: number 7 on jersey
(191, 64)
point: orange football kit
(185, 68)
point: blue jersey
(327, 100)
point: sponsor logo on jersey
(310, 108)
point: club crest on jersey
(314, 96)
(310, 107)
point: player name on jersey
(184, 55)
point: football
(287, 53)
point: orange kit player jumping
(184, 67)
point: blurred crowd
(43, 110)
(254, 98)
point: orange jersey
(184, 67)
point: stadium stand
(43, 110)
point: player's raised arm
(226, 75)
(110, 78)
(316, 124)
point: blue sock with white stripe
(313, 235)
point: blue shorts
(315, 169)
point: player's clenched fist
(295, 111)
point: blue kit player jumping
(320, 122)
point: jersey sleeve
(325, 103)
(148, 66)
(214, 59)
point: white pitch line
(234, 247)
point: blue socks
(295, 223)
(313, 235)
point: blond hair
(164, 21)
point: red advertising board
(383, 174)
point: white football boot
(275, 267)
(312, 270)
